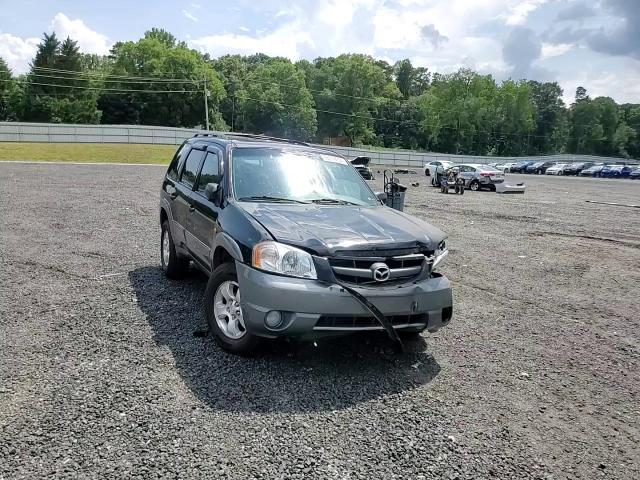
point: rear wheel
(224, 312)
(474, 185)
(173, 265)
(427, 172)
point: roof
(253, 140)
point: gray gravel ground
(102, 377)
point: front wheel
(426, 172)
(474, 186)
(224, 312)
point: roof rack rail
(208, 134)
(231, 135)
(265, 137)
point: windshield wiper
(335, 201)
(268, 198)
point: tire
(461, 190)
(560, 173)
(474, 186)
(427, 172)
(173, 265)
(234, 337)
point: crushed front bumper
(312, 308)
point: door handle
(192, 209)
(173, 195)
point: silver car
(477, 176)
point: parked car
(521, 166)
(477, 176)
(576, 167)
(430, 168)
(295, 243)
(616, 171)
(557, 169)
(361, 164)
(592, 171)
(635, 174)
(505, 167)
(538, 167)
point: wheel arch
(224, 249)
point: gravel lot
(102, 377)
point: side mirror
(210, 191)
(382, 196)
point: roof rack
(230, 135)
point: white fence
(65, 133)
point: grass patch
(87, 152)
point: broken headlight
(439, 255)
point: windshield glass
(270, 174)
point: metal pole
(206, 103)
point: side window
(176, 163)
(191, 166)
(210, 171)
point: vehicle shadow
(288, 376)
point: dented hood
(324, 229)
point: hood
(361, 161)
(325, 229)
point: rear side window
(210, 171)
(176, 163)
(191, 166)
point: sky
(595, 44)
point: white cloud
(89, 40)
(244, 29)
(550, 50)
(189, 15)
(519, 11)
(17, 52)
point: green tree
(411, 81)
(276, 101)
(551, 118)
(158, 56)
(7, 87)
(353, 87)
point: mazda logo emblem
(380, 272)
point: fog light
(273, 319)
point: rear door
(182, 197)
(467, 173)
(203, 216)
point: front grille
(350, 322)
(354, 267)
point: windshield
(270, 174)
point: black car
(295, 243)
(538, 167)
(361, 164)
(521, 166)
(576, 168)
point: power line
(114, 90)
(126, 77)
(84, 79)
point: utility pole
(206, 103)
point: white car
(557, 169)
(430, 168)
(505, 167)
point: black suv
(295, 243)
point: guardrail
(69, 133)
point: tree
(551, 129)
(159, 57)
(276, 101)
(56, 90)
(411, 81)
(352, 88)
